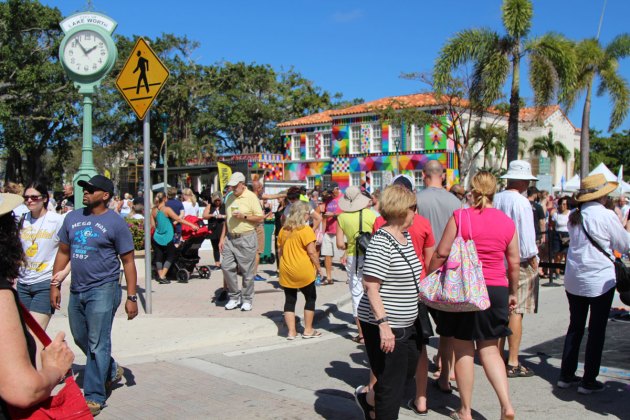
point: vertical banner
(225, 172)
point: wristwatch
(133, 298)
(382, 320)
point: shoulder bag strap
(21, 222)
(360, 221)
(392, 241)
(34, 326)
(595, 244)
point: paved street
(191, 359)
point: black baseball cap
(98, 182)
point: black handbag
(622, 274)
(363, 238)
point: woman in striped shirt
(389, 307)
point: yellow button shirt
(247, 204)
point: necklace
(31, 251)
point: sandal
(358, 339)
(448, 390)
(519, 371)
(315, 334)
(163, 280)
(360, 396)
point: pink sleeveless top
(492, 232)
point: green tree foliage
(553, 148)
(494, 57)
(37, 106)
(614, 151)
(212, 109)
(593, 61)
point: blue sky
(358, 48)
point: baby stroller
(188, 252)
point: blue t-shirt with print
(95, 243)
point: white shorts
(355, 281)
(328, 245)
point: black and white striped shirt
(398, 292)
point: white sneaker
(246, 306)
(232, 304)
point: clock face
(85, 53)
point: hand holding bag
(68, 404)
(459, 285)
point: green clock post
(87, 54)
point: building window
(377, 139)
(325, 149)
(355, 139)
(355, 179)
(417, 142)
(395, 139)
(310, 182)
(418, 180)
(295, 148)
(310, 146)
(377, 181)
(326, 180)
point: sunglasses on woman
(32, 197)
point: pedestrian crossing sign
(141, 78)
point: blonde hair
(296, 218)
(193, 198)
(395, 201)
(484, 186)
(13, 188)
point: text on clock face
(86, 52)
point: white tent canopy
(159, 187)
(571, 185)
(603, 169)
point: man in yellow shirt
(239, 243)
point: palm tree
(495, 56)
(593, 60)
(552, 148)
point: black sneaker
(587, 388)
(565, 383)
(361, 398)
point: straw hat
(593, 187)
(8, 202)
(353, 200)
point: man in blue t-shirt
(178, 207)
(93, 239)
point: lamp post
(397, 145)
(164, 118)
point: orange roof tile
(319, 118)
(534, 113)
(416, 100)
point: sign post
(140, 81)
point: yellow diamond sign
(142, 78)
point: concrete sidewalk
(186, 316)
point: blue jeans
(91, 314)
(36, 297)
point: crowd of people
(409, 235)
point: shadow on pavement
(613, 400)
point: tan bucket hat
(353, 200)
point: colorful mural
(300, 170)
(340, 136)
(435, 135)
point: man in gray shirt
(438, 205)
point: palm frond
(517, 17)
(617, 87)
(619, 47)
(554, 59)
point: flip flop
(413, 407)
(454, 415)
(358, 339)
(315, 334)
(448, 390)
(291, 337)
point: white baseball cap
(236, 178)
(520, 170)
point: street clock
(87, 51)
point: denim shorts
(36, 297)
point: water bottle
(318, 280)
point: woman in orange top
(299, 266)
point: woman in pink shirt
(496, 240)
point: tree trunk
(512, 135)
(585, 135)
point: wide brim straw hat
(593, 187)
(352, 200)
(8, 202)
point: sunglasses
(32, 197)
(90, 190)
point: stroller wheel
(204, 272)
(183, 276)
